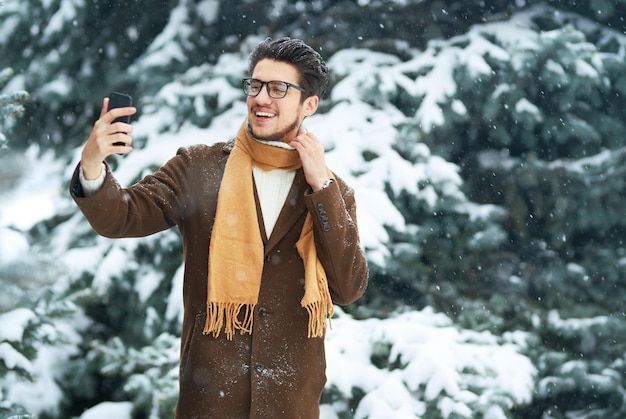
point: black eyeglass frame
(247, 86)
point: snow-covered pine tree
(18, 342)
(30, 340)
(11, 105)
(533, 116)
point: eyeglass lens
(275, 89)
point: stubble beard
(276, 136)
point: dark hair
(312, 68)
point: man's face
(278, 119)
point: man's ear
(310, 105)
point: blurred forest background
(532, 121)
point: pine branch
(11, 104)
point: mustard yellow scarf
(236, 251)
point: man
(270, 241)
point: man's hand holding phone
(110, 134)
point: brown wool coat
(277, 371)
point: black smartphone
(120, 100)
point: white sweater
(272, 188)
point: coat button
(259, 367)
(262, 312)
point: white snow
(38, 194)
(66, 12)
(177, 28)
(12, 324)
(109, 410)
(13, 359)
(13, 245)
(437, 361)
(208, 10)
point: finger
(105, 107)
(122, 149)
(301, 140)
(311, 139)
(121, 127)
(120, 137)
(303, 137)
(115, 113)
(121, 143)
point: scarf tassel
(319, 312)
(227, 315)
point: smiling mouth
(264, 115)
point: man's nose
(263, 96)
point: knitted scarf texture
(236, 251)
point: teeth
(265, 114)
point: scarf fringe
(227, 315)
(319, 313)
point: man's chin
(265, 134)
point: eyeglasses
(275, 89)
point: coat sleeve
(337, 241)
(154, 204)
